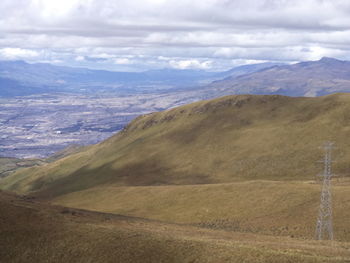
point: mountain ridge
(195, 144)
(309, 78)
(43, 77)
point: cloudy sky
(148, 34)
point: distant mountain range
(105, 101)
(312, 78)
(20, 78)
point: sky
(137, 35)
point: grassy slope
(43, 233)
(10, 165)
(238, 162)
(69, 150)
(229, 139)
(268, 207)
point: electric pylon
(324, 225)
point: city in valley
(37, 126)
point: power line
(324, 224)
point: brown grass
(238, 163)
(268, 207)
(43, 233)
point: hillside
(245, 163)
(276, 208)
(67, 235)
(310, 78)
(228, 139)
(9, 165)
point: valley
(88, 106)
(37, 126)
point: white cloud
(190, 64)
(122, 61)
(17, 53)
(79, 58)
(163, 58)
(102, 55)
(179, 33)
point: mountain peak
(329, 60)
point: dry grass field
(37, 232)
(267, 207)
(234, 177)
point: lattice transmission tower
(324, 225)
